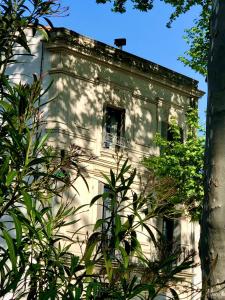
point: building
(108, 101)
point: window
(168, 232)
(167, 133)
(114, 127)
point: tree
(182, 163)
(212, 237)
(197, 37)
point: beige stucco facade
(91, 80)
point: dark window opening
(167, 245)
(168, 231)
(114, 127)
(193, 102)
(168, 134)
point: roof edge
(73, 38)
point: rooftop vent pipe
(120, 43)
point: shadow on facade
(91, 81)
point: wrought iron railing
(111, 140)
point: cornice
(69, 39)
(195, 93)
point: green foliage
(196, 37)
(117, 250)
(15, 17)
(120, 5)
(36, 253)
(35, 256)
(37, 260)
(181, 6)
(182, 164)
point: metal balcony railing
(111, 140)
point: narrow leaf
(10, 177)
(27, 201)
(42, 141)
(11, 248)
(18, 228)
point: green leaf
(90, 267)
(74, 263)
(113, 179)
(10, 177)
(135, 201)
(42, 141)
(125, 257)
(95, 199)
(108, 266)
(91, 243)
(117, 220)
(37, 161)
(48, 294)
(106, 178)
(124, 169)
(49, 228)
(4, 167)
(99, 223)
(11, 249)
(18, 228)
(6, 106)
(78, 293)
(22, 40)
(27, 201)
(154, 240)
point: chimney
(120, 43)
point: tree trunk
(212, 242)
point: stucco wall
(82, 85)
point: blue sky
(146, 33)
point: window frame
(112, 140)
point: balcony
(110, 141)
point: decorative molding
(162, 103)
(64, 38)
(117, 86)
(195, 93)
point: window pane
(113, 127)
